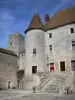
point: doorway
(62, 66)
(34, 69)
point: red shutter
(51, 67)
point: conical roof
(35, 23)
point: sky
(15, 15)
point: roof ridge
(61, 18)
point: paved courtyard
(28, 95)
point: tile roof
(35, 23)
(61, 18)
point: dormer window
(34, 51)
(72, 30)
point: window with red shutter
(51, 66)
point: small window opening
(50, 47)
(34, 51)
(10, 43)
(72, 30)
(34, 69)
(50, 35)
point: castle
(44, 57)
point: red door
(51, 66)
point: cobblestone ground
(28, 95)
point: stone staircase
(54, 82)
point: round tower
(34, 51)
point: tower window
(72, 30)
(73, 45)
(50, 35)
(34, 51)
(47, 64)
(10, 43)
(50, 47)
(34, 69)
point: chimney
(46, 17)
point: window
(73, 65)
(47, 64)
(51, 66)
(73, 45)
(10, 43)
(47, 57)
(72, 30)
(62, 66)
(50, 47)
(34, 51)
(50, 35)
(34, 69)
(17, 67)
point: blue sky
(15, 15)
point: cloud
(6, 16)
(6, 22)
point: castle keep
(43, 57)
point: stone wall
(21, 61)
(34, 39)
(61, 42)
(16, 42)
(8, 68)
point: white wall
(34, 39)
(21, 61)
(61, 46)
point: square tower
(16, 42)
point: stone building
(46, 58)
(8, 68)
